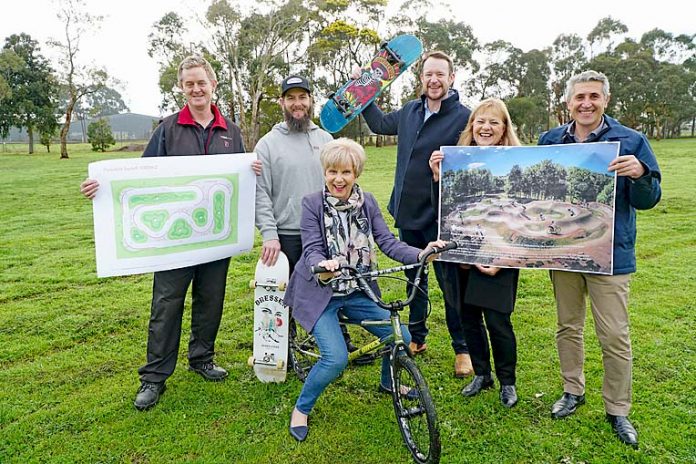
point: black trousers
(418, 310)
(291, 245)
(502, 341)
(169, 290)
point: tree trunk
(84, 129)
(360, 130)
(30, 133)
(66, 129)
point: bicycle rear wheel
(415, 414)
(303, 352)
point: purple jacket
(307, 298)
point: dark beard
(298, 125)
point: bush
(99, 135)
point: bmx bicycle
(415, 410)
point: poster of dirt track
(549, 207)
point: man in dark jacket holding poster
(437, 118)
(198, 129)
(637, 187)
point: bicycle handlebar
(364, 286)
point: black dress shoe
(299, 433)
(624, 429)
(566, 405)
(480, 382)
(209, 371)
(148, 395)
(508, 395)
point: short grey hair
(587, 76)
(341, 152)
(196, 61)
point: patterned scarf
(355, 246)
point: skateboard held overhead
(392, 59)
(271, 320)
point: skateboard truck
(342, 104)
(393, 58)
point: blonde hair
(343, 151)
(196, 61)
(498, 107)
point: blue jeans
(334, 355)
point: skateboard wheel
(282, 286)
(251, 361)
(252, 283)
(280, 364)
(331, 95)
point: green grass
(70, 345)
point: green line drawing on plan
(159, 216)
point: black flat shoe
(508, 395)
(566, 405)
(624, 429)
(480, 382)
(299, 433)
(411, 395)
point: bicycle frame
(396, 337)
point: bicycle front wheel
(415, 411)
(302, 350)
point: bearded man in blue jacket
(637, 187)
(437, 118)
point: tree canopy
(653, 77)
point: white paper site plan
(153, 214)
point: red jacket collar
(186, 118)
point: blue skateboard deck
(392, 60)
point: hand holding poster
(159, 213)
(546, 207)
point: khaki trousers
(609, 303)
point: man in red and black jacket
(198, 128)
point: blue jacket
(642, 193)
(410, 204)
(304, 295)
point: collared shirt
(429, 113)
(591, 137)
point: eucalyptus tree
(567, 58)
(604, 33)
(32, 102)
(166, 46)
(455, 38)
(342, 35)
(79, 80)
(493, 76)
(254, 50)
(528, 74)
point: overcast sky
(120, 45)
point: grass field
(70, 345)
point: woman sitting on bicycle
(341, 224)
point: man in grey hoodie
(291, 169)
(289, 156)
